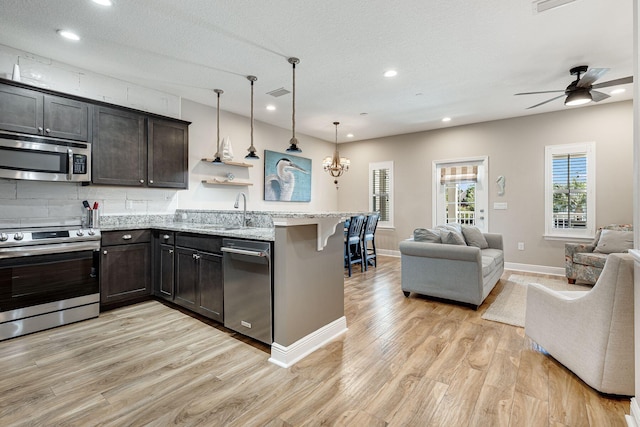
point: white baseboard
(633, 419)
(531, 268)
(288, 356)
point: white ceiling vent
(278, 92)
(544, 5)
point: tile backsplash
(25, 203)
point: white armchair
(589, 332)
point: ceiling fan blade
(598, 96)
(622, 81)
(535, 93)
(548, 100)
(591, 76)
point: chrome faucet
(244, 211)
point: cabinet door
(21, 110)
(125, 272)
(119, 147)
(210, 287)
(66, 118)
(168, 162)
(186, 289)
(165, 272)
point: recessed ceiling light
(69, 35)
(617, 91)
(349, 135)
(103, 2)
(271, 107)
(390, 73)
(446, 119)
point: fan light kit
(580, 91)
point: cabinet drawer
(166, 237)
(210, 244)
(110, 238)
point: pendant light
(252, 150)
(336, 165)
(217, 159)
(293, 148)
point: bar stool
(369, 235)
(353, 253)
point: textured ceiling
(457, 58)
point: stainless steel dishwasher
(247, 288)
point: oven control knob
(91, 232)
(18, 236)
(79, 233)
(3, 237)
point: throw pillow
(425, 235)
(451, 237)
(614, 241)
(474, 237)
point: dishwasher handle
(248, 252)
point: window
(381, 191)
(459, 191)
(570, 190)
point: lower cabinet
(163, 271)
(199, 282)
(125, 266)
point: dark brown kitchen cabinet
(163, 271)
(125, 267)
(29, 111)
(168, 154)
(199, 280)
(119, 147)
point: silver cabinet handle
(170, 251)
(104, 252)
(166, 237)
(47, 130)
(39, 128)
(126, 237)
(142, 181)
(196, 257)
(150, 181)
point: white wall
(515, 148)
(32, 202)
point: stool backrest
(372, 223)
(356, 226)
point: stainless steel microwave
(44, 159)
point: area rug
(510, 305)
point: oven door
(27, 281)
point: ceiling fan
(580, 91)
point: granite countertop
(266, 234)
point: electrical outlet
(521, 246)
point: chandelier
(336, 165)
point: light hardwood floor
(403, 362)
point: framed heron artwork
(287, 178)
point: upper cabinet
(119, 147)
(28, 111)
(168, 154)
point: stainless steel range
(48, 278)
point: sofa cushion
(614, 241)
(451, 237)
(426, 235)
(592, 259)
(474, 237)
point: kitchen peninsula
(307, 260)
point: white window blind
(570, 190)
(381, 191)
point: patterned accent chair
(582, 263)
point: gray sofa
(455, 272)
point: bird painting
(285, 180)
